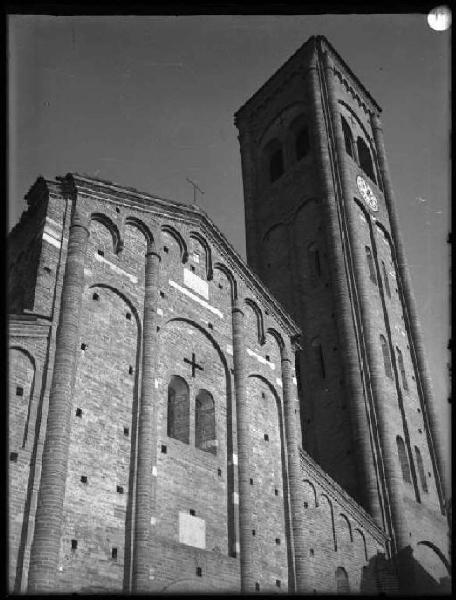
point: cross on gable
(193, 364)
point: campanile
(322, 232)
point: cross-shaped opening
(193, 364)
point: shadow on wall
(379, 576)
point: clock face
(367, 194)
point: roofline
(318, 41)
(197, 212)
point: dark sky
(149, 101)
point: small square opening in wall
(276, 492)
(13, 456)
(263, 395)
(210, 326)
(268, 358)
(306, 505)
(278, 583)
(266, 437)
(128, 316)
(311, 552)
(100, 252)
(19, 390)
(277, 541)
(164, 449)
(251, 481)
(162, 294)
(83, 478)
(220, 286)
(219, 472)
(95, 297)
(47, 270)
(114, 553)
(165, 249)
(83, 346)
(192, 512)
(253, 532)
(420, 431)
(117, 209)
(192, 268)
(74, 544)
(79, 412)
(126, 431)
(199, 572)
(257, 587)
(130, 370)
(119, 489)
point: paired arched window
(400, 362)
(403, 460)
(348, 138)
(302, 144)
(370, 264)
(273, 160)
(386, 357)
(318, 357)
(365, 159)
(313, 255)
(385, 277)
(421, 471)
(342, 584)
(178, 410)
(205, 438)
(178, 423)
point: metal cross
(193, 364)
(195, 187)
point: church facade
(180, 421)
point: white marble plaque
(196, 284)
(192, 530)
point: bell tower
(322, 233)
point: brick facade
(160, 396)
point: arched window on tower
(365, 159)
(421, 471)
(403, 460)
(178, 426)
(302, 142)
(273, 160)
(370, 264)
(348, 138)
(386, 357)
(385, 277)
(318, 357)
(313, 255)
(342, 584)
(205, 434)
(400, 361)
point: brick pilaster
(243, 441)
(49, 513)
(422, 372)
(147, 427)
(343, 304)
(295, 478)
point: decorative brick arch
(117, 243)
(259, 319)
(231, 280)
(144, 229)
(174, 233)
(207, 249)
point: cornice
(338, 494)
(28, 325)
(161, 208)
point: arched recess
(229, 465)
(310, 494)
(300, 135)
(279, 339)
(293, 108)
(342, 583)
(259, 319)
(117, 243)
(144, 229)
(438, 552)
(207, 249)
(103, 437)
(344, 528)
(205, 426)
(178, 239)
(178, 413)
(19, 420)
(260, 391)
(359, 535)
(325, 501)
(231, 280)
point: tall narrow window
(313, 255)
(178, 410)
(386, 357)
(302, 143)
(318, 357)
(342, 584)
(422, 472)
(205, 434)
(400, 361)
(348, 138)
(370, 264)
(403, 460)
(276, 165)
(365, 159)
(385, 277)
